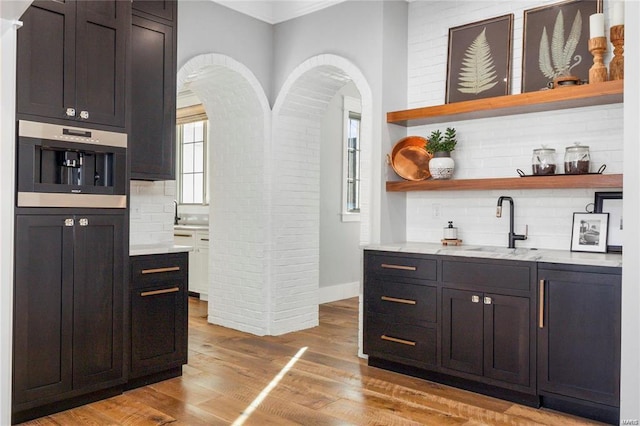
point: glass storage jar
(543, 161)
(576, 159)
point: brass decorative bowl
(410, 159)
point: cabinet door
(46, 60)
(462, 330)
(188, 238)
(202, 283)
(158, 338)
(507, 338)
(158, 313)
(164, 9)
(102, 29)
(98, 300)
(579, 343)
(153, 100)
(43, 301)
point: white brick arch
(240, 132)
(297, 115)
(264, 186)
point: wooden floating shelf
(532, 182)
(608, 92)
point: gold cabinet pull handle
(396, 300)
(160, 270)
(541, 304)
(396, 340)
(163, 291)
(401, 267)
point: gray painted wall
(370, 34)
(207, 27)
(373, 36)
(339, 241)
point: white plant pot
(441, 166)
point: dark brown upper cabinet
(153, 92)
(163, 9)
(71, 62)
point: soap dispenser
(450, 232)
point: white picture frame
(589, 232)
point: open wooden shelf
(609, 92)
(530, 182)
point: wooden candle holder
(616, 66)
(598, 72)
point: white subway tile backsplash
(151, 218)
(548, 213)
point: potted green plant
(440, 146)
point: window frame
(350, 106)
(188, 115)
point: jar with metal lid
(577, 159)
(543, 161)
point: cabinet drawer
(401, 266)
(202, 238)
(400, 341)
(185, 238)
(514, 275)
(417, 302)
(151, 269)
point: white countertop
(142, 249)
(183, 227)
(523, 254)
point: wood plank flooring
(327, 385)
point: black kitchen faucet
(512, 235)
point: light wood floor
(327, 385)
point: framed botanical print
(479, 59)
(556, 44)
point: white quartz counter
(142, 249)
(181, 227)
(490, 252)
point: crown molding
(277, 11)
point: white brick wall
(264, 215)
(295, 175)
(496, 147)
(239, 133)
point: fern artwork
(556, 44)
(479, 59)
(478, 71)
(556, 59)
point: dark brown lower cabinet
(159, 303)
(68, 309)
(486, 334)
(579, 340)
(481, 324)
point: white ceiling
(276, 11)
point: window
(192, 160)
(351, 161)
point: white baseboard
(338, 292)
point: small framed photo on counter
(611, 202)
(590, 232)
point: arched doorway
(264, 184)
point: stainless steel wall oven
(63, 166)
